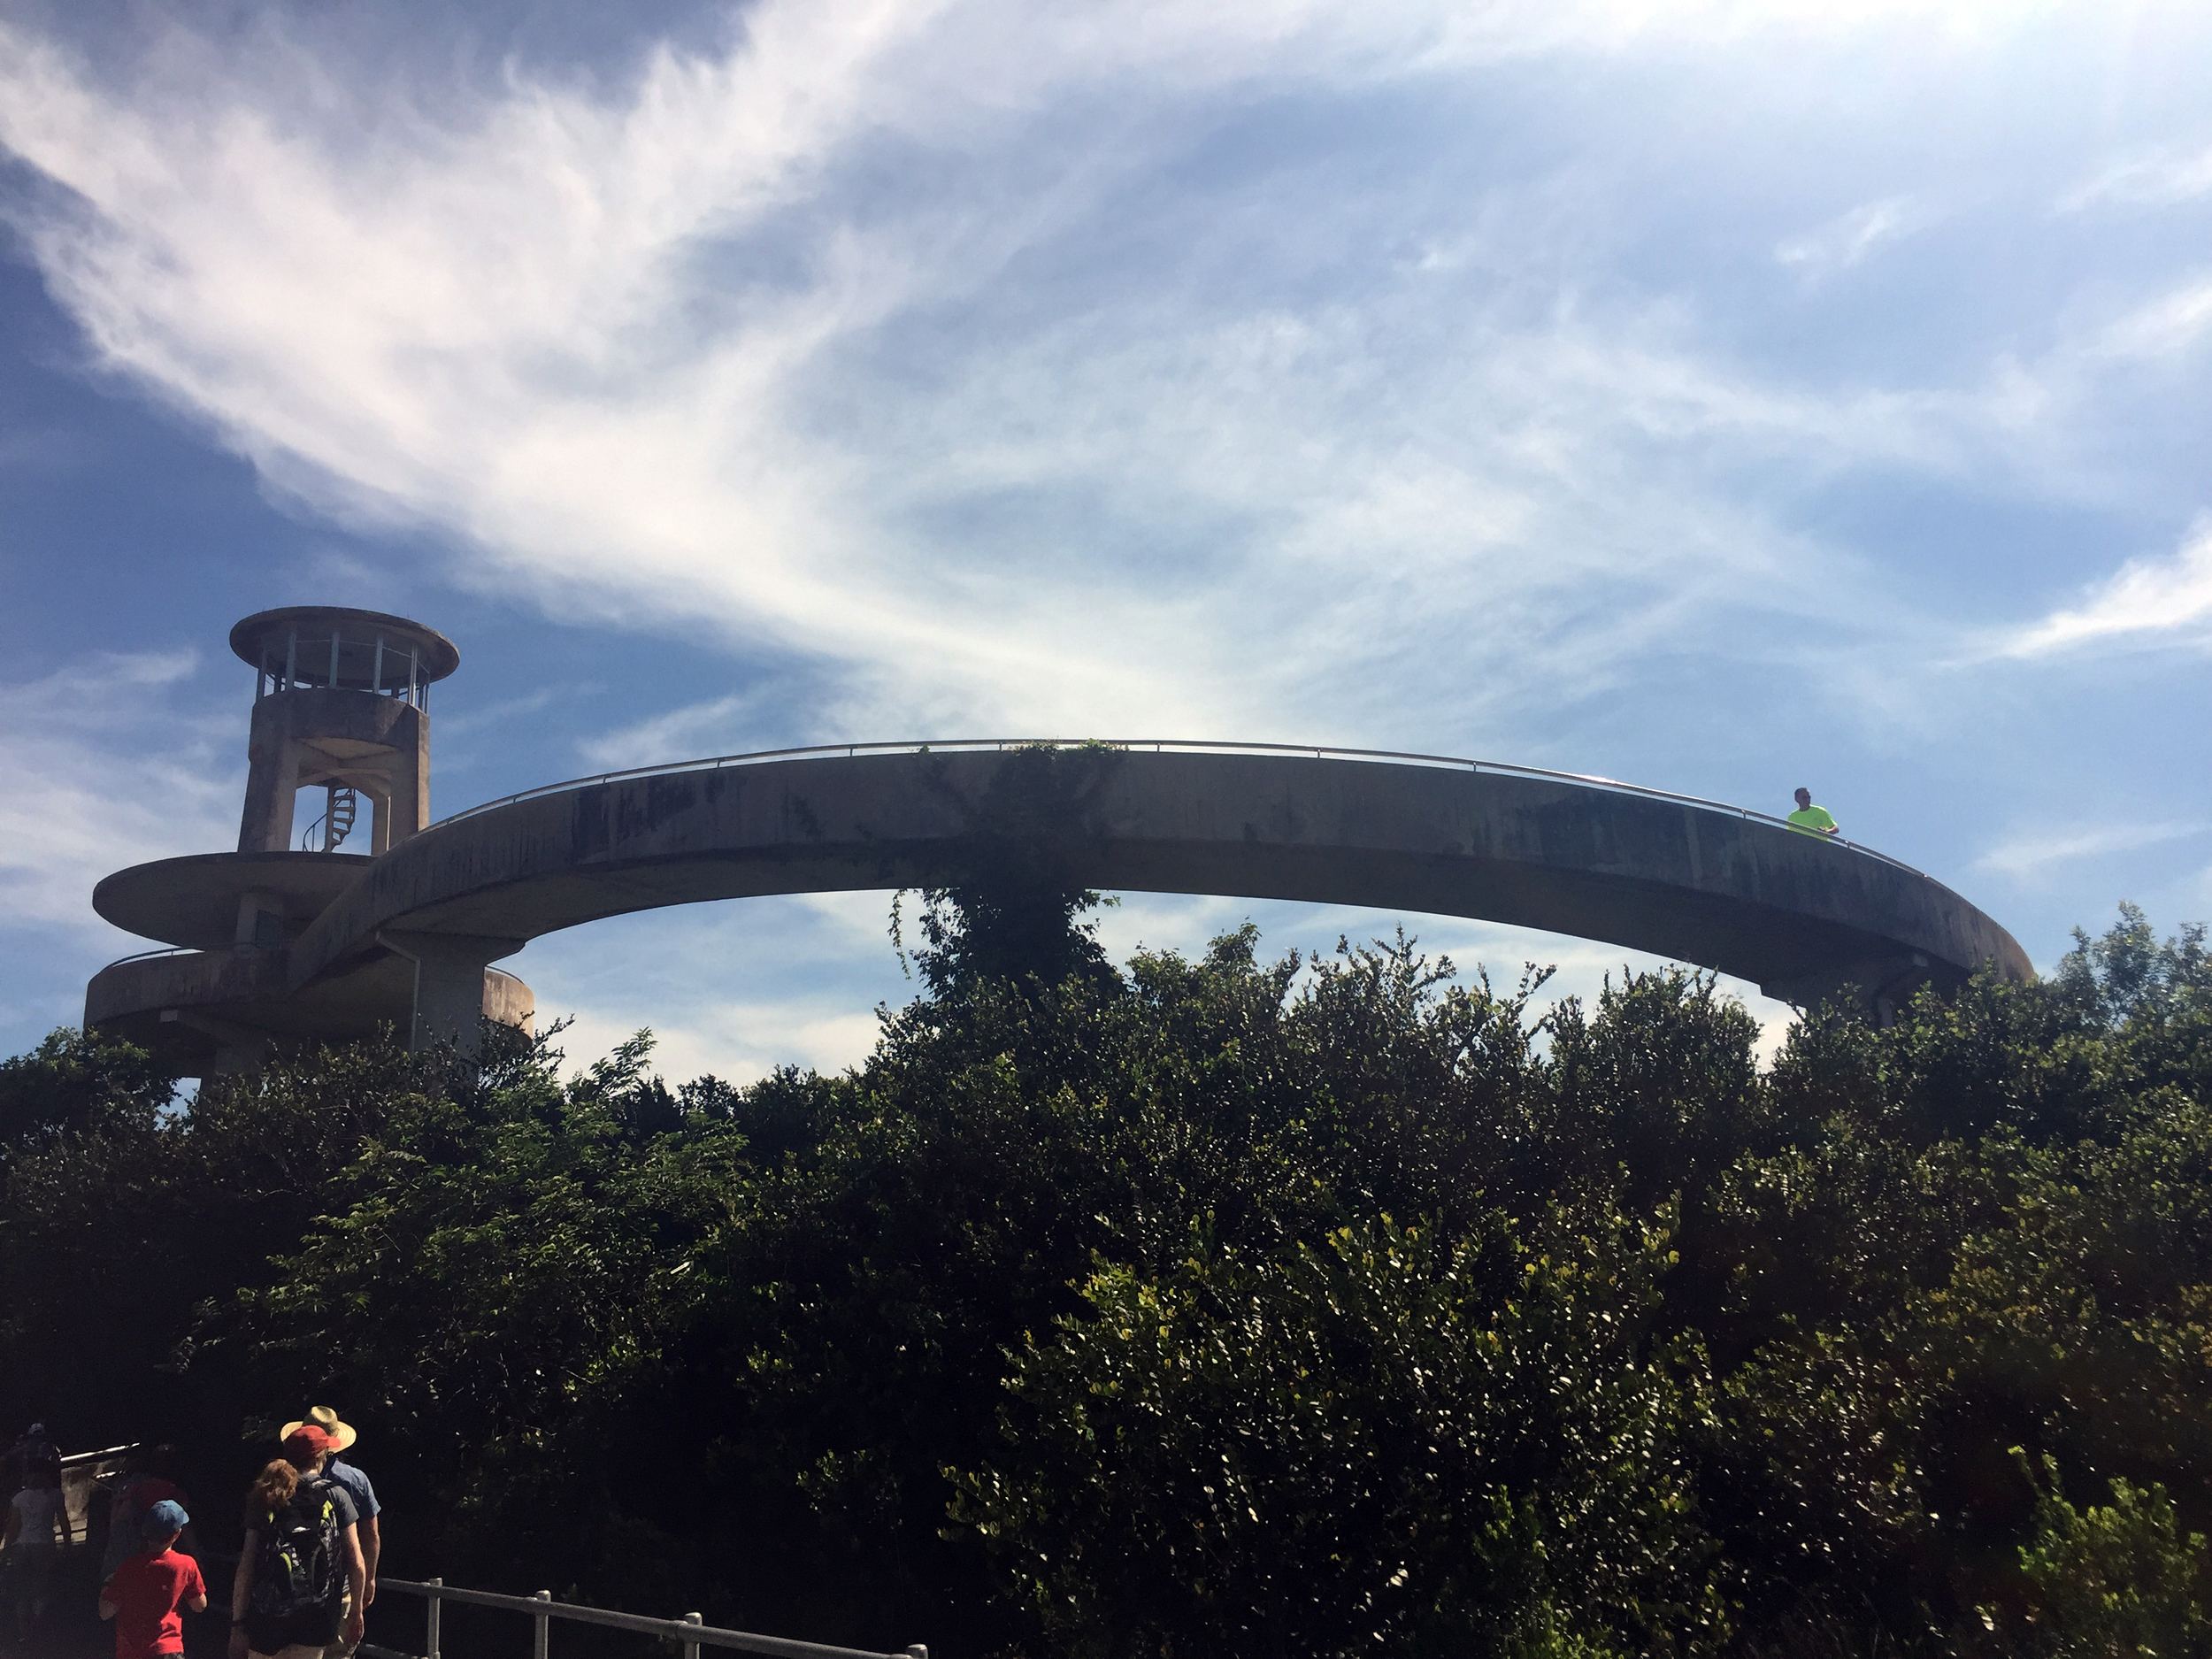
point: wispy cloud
(2156, 179)
(2173, 323)
(2030, 856)
(1848, 238)
(720, 726)
(104, 770)
(2147, 601)
(492, 716)
(658, 355)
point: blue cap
(166, 1517)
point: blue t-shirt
(357, 1488)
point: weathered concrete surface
(340, 700)
(327, 948)
(206, 1014)
(1801, 916)
(213, 900)
(380, 745)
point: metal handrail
(76, 1459)
(687, 1631)
(148, 956)
(715, 763)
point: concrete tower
(340, 705)
(342, 699)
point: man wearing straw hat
(357, 1485)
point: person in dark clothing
(150, 1480)
(31, 1454)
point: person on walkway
(1809, 819)
(149, 1593)
(148, 1481)
(358, 1488)
(300, 1561)
(31, 1454)
(37, 1530)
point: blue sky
(1714, 395)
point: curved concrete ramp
(1800, 916)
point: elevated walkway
(408, 935)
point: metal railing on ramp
(687, 1632)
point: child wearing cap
(149, 1591)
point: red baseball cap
(312, 1438)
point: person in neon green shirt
(1809, 819)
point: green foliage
(2116, 1580)
(1003, 908)
(1284, 1307)
(114, 1233)
(76, 1083)
(1375, 1439)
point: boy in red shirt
(144, 1595)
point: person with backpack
(359, 1488)
(300, 1582)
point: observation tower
(340, 713)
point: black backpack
(300, 1563)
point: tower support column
(448, 984)
(272, 782)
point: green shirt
(1812, 820)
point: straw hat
(323, 1418)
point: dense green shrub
(1273, 1308)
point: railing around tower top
(687, 1632)
(296, 661)
(1186, 746)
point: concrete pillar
(379, 802)
(240, 1050)
(448, 984)
(272, 779)
(409, 781)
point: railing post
(544, 1622)
(430, 1619)
(691, 1649)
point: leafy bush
(1284, 1307)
